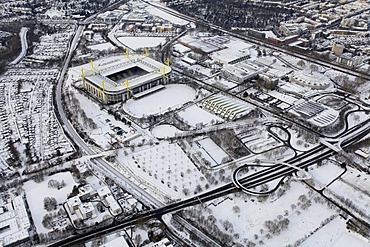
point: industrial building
(226, 107)
(116, 79)
(242, 71)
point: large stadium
(116, 79)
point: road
(23, 37)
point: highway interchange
(263, 176)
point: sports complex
(116, 79)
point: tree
(236, 209)
(227, 225)
(301, 63)
(47, 221)
(50, 203)
(185, 191)
(138, 240)
(314, 67)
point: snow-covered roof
(119, 241)
(98, 71)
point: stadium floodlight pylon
(103, 85)
(128, 87)
(93, 67)
(168, 62)
(88, 72)
(146, 52)
(164, 74)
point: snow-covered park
(36, 192)
(250, 219)
(165, 169)
(107, 128)
(160, 13)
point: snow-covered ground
(164, 169)
(354, 187)
(53, 13)
(101, 47)
(142, 42)
(165, 131)
(173, 96)
(356, 118)
(334, 234)
(160, 13)
(36, 192)
(194, 115)
(298, 141)
(211, 151)
(106, 124)
(325, 174)
(247, 216)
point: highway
(23, 38)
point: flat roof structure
(235, 52)
(14, 221)
(242, 71)
(117, 242)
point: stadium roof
(111, 65)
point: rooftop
(98, 71)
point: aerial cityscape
(171, 123)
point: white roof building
(87, 210)
(113, 205)
(163, 243)
(237, 51)
(117, 242)
(14, 223)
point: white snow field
(173, 19)
(105, 122)
(194, 115)
(36, 192)
(142, 42)
(101, 47)
(251, 216)
(325, 174)
(212, 151)
(165, 170)
(173, 96)
(334, 234)
(165, 131)
(354, 186)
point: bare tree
(301, 63)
